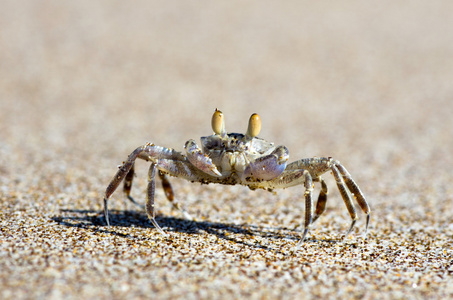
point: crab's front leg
(168, 190)
(150, 197)
(292, 177)
(178, 168)
(123, 171)
(308, 184)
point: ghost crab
(234, 158)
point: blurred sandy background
(83, 83)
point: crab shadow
(95, 221)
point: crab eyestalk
(218, 123)
(254, 126)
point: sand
(84, 83)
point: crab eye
(254, 125)
(218, 122)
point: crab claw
(200, 160)
(270, 166)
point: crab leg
(183, 169)
(116, 180)
(171, 196)
(148, 152)
(308, 204)
(177, 168)
(295, 177)
(317, 166)
(354, 188)
(150, 197)
(347, 198)
(128, 185)
(322, 199)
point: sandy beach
(83, 83)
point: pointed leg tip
(368, 217)
(300, 243)
(366, 226)
(106, 212)
(188, 216)
(161, 231)
(303, 238)
(315, 217)
(107, 221)
(351, 227)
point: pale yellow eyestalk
(218, 122)
(254, 126)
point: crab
(235, 158)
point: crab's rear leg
(347, 198)
(168, 190)
(354, 188)
(322, 199)
(345, 184)
(128, 186)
